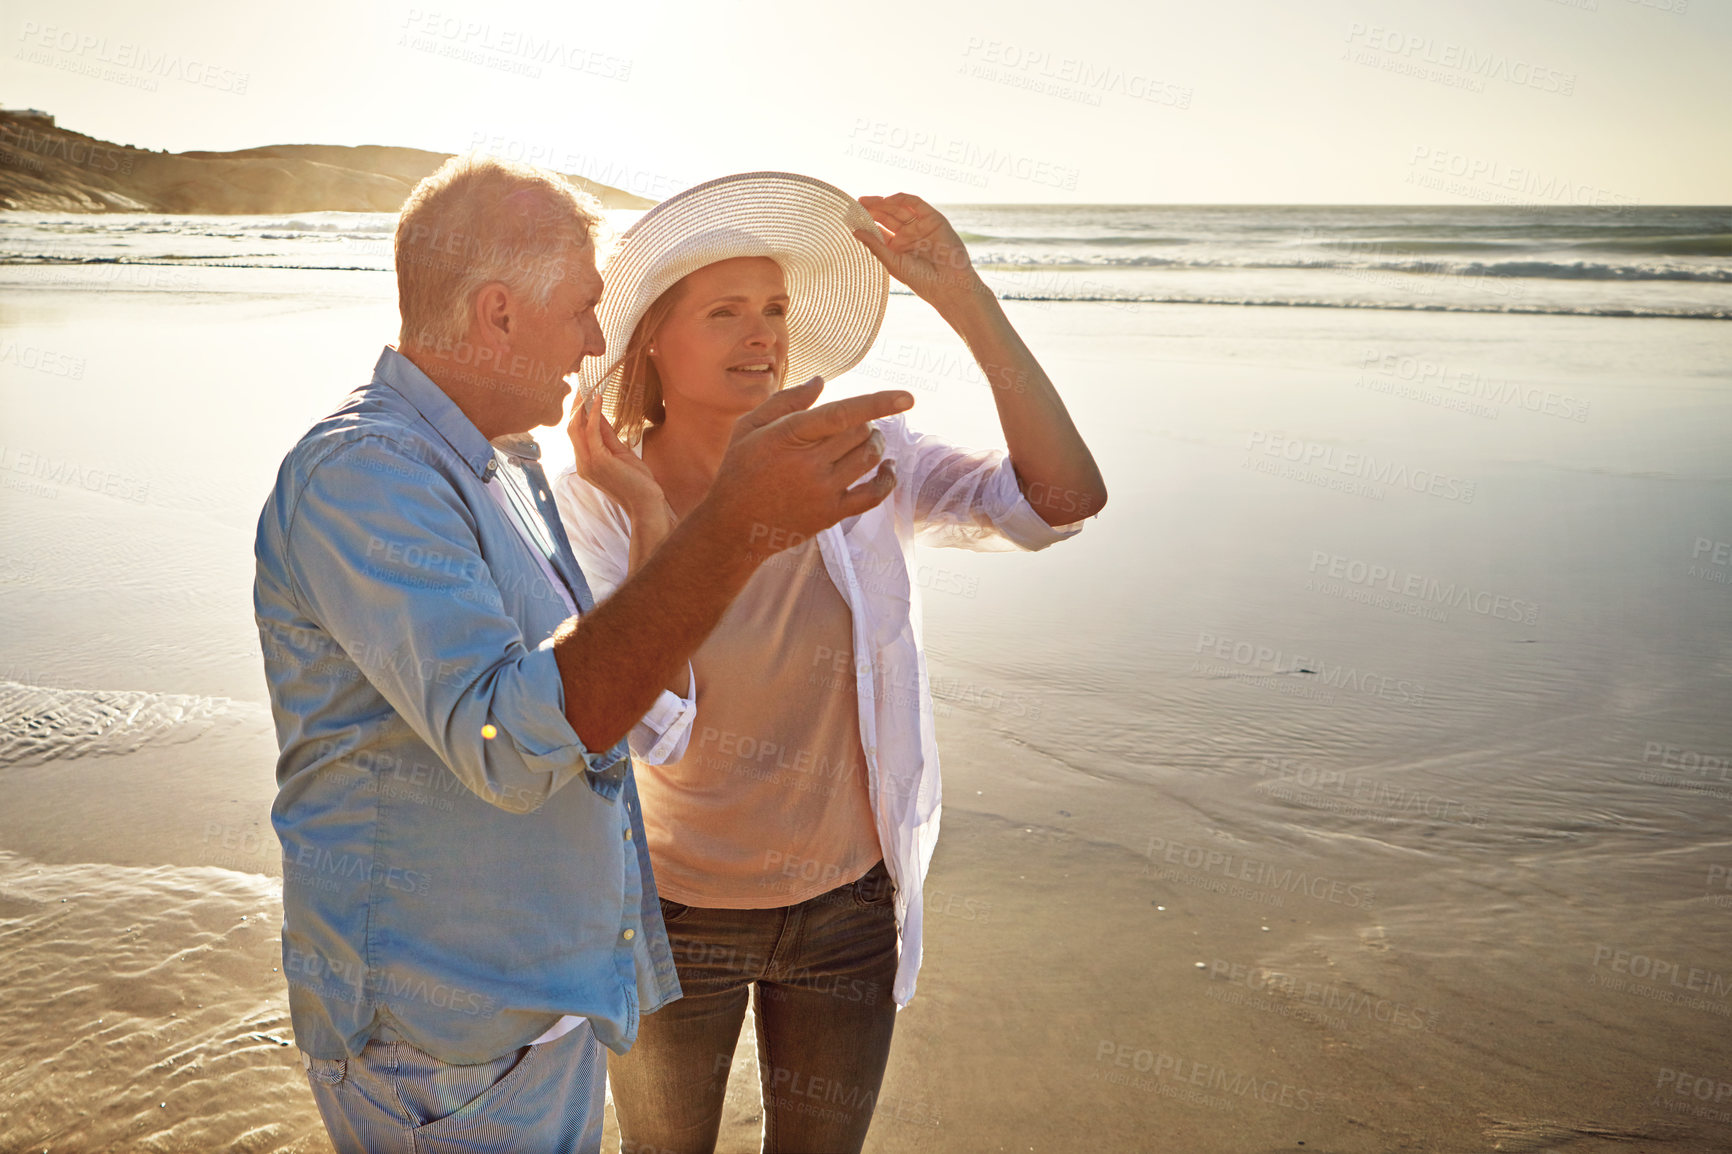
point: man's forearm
(615, 660)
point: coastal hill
(44, 168)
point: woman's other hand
(917, 245)
(610, 466)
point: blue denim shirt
(455, 862)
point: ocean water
(1399, 663)
(1595, 261)
(1614, 261)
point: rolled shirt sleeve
(965, 498)
(386, 557)
(664, 732)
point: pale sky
(1080, 101)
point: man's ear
(493, 314)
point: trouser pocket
(325, 1071)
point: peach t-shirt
(769, 805)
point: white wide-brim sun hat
(837, 289)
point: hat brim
(837, 289)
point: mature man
(469, 914)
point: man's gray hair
(476, 220)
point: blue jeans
(396, 1098)
(823, 972)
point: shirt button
(628, 835)
(542, 493)
(629, 935)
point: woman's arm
(649, 528)
(1055, 470)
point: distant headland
(45, 168)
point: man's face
(548, 342)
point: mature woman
(792, 803)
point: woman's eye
(775, 310)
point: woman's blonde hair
(640, 382)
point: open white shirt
(944, 495)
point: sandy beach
(1356, 783)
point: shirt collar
(520, 447)
(437, 409)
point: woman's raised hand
(606, 463)
(916, 243)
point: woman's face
(724, 346)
